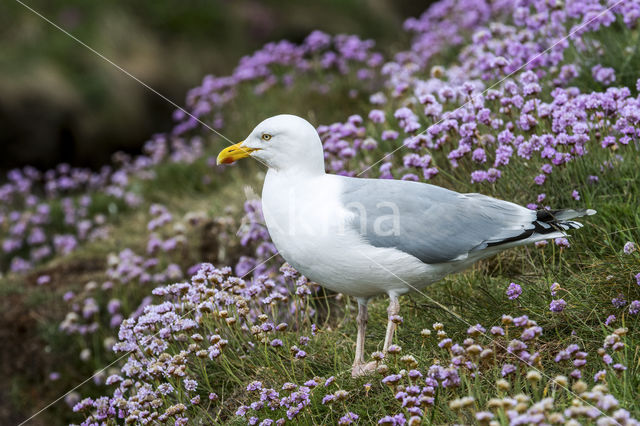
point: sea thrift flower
(557, 305)
(603, 75)
(508, 369)
(394, 349)
(327, 399)
(479, 155)
(348, 418)
(377, 116)
(497, 331)
(619, 301)
(514, 291)
(629, 247)
(391, 379)
(389, 135)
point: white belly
(308, 227)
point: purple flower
(610, 319)
(520, 321)
(255, 385)
(410, 177)
(389, 135)
(478, 155)
(415, 374)
(603, 75)
(328, 398)
(497, 331)
(348, 418)
(634, 307)
(190, 384)
(514, 291)
(317, 40)
(539, 180)
(397, 420)
(619, 301)
(493, 174)
(608, 141)
(478, 176)
(557, 305)
(629, 247)
(377, 116)
(484, 416)
(391, 379)
(508, 369)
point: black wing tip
(562, 214)
(549, 222)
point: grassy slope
(591, 272)
(31, 314)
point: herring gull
(367, 237)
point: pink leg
(362, 327)
(393, 309)
(360, 367)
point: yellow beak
(234, 153)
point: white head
(282, 142)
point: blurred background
(59, 102)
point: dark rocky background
(61, 103)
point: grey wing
(437, 225)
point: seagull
(368, 237)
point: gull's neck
(295, 174)
(307, 167)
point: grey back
(431, 223)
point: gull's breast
(310, 228)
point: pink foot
(363, 369)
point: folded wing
(438, 225)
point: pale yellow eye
(266, 136)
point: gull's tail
(559, 220)
(548, 224)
